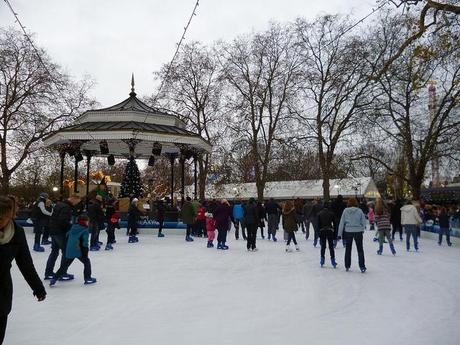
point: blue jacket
(238, 211)
(77, 238)
(352, 220)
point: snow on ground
(167, 291)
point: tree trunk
(326, 186)
(203, 164)
(5, 184)
(260, 184)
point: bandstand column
(75, 176)
(182, 180)
(195, 177)
(61, 177)
(172, 158)
(88, 164)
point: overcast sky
(109, 39)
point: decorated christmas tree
(131, 184)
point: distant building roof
(304, 189)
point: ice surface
(167, 291)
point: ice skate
(321, 261)
(333, 263)
(90, 281)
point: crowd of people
(72, 227)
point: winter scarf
(7, 234)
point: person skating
(60, 223)
(352, 226)
(337, 207)
(134, 215)
(306, 211)
(290, 224)
(222, 215)
(238, 219)
(262, 218)
(188, 216)
(298, 204)
(273, 210)
(252, 220)
(112, 219)
(382, 218)
(395, 219)
(201, 221)
(316, 208)
(161, 210)
(40, 217)
(210, 229)
(410, 219)
(326, 224)
(96, 221)
(77, 248)
(444, 226)
(13, 246)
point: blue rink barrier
(455, 232)
(142, 224)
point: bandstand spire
(132, 93)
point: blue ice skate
(90, 281)
(333, 263)
(380, 251)
(38, 248)
(363, 269)
(219, 245)
(321, 261)
(189, 238)
(66, 277)
(94, 248)
(108, 246)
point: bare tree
(336, 88)
(35, 101)
(262, 71)
(417, 128)
(193, 90)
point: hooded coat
(289, 220)
(77, 239)
(352, 220)
(409, 215)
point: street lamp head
(336, 186)
(55, 189)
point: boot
(315, 242)
(209, 244)
(297, 247)
(108, 246)
(274, 238)
(66, 276)
(90, 281)
(333, 263)
(131, 239)
(379, 252)
(224, 246)
(219, 245)
(321, 261)
(288, 248)
(38, 248)
(392, 248)
(161, 235)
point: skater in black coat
(327, 226)
(13, 246)
(395, 219)
(161, 210)
(252, 221)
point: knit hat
(44, 195)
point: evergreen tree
(131, 184)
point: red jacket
(201, 214)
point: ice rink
(166, 291)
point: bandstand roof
(126, 122)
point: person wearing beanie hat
(40, 217)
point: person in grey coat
(352, 226)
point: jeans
(382, 235)
(326, 236)
(221, 235)
(67, 262)
(398, 228)
(272, 224)
(411, 229)
(358, 238)
(252, 234)
(243, 227)
(443, 231)
(189, 229)
(94, 230)
(38, 231)
(291, 236)
(110, 232)
(58, 243)
(307, 228)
